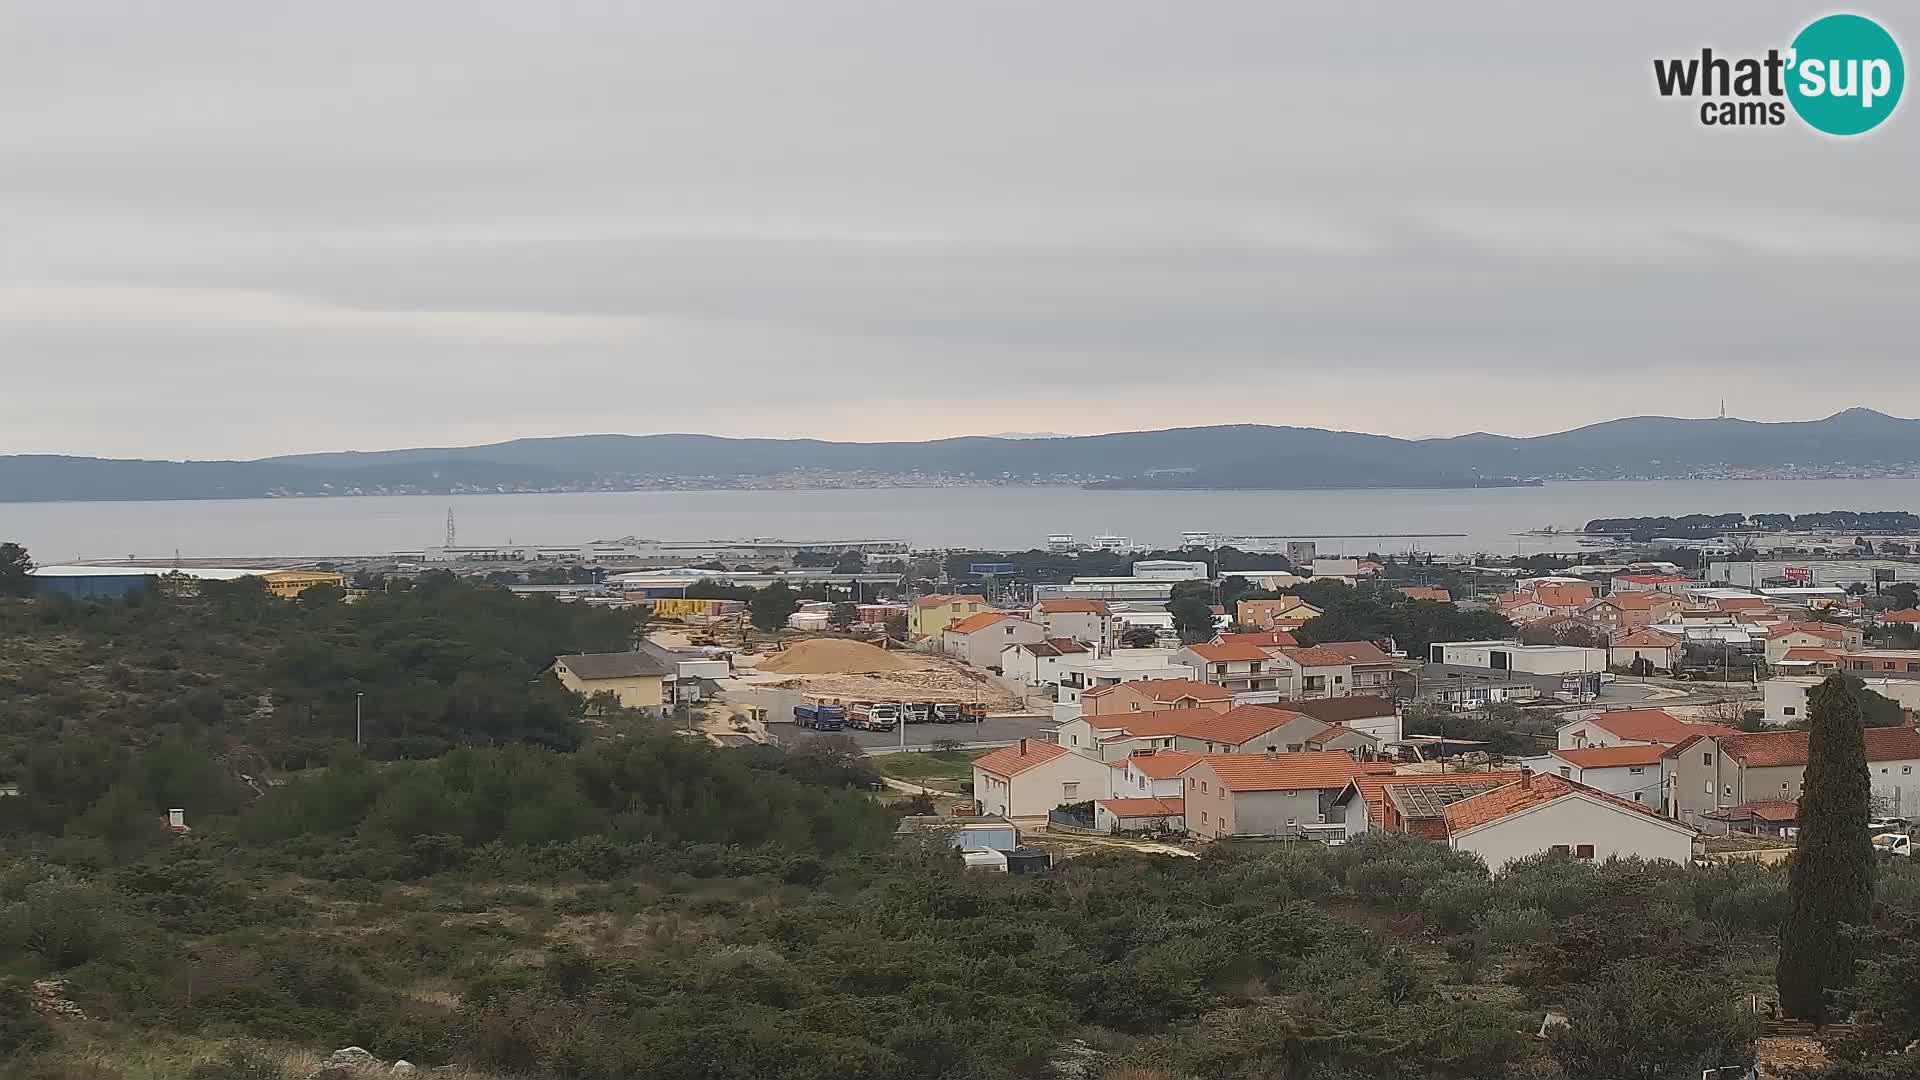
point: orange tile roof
(1426, 592)
(1147, 725)
(1282, 772)
(1063, 607)
(1612, 757)
(1343, 710)
(1372, 788)
(1637, 600)
(1769, 749)
(1646, 638)
(1220, 654)
(1236, 726)
(1908, 615)
(1563, 595)
(1808, 652)
(1268, 638)
(942, 599)
(1129, 808)
(1315, 656)
(1161, 764)
(1332, 733)
(1653, 725)
(1817, 629)
(1167, 690)
(977, 622)
(1742, 603)
(1010, 761)
(1775, 810)
(1357, 652)
(1525, 794)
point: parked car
(1894, 843)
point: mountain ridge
(1225, 456)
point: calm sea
(1488, 519)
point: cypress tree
(1830, 882)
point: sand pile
(833, 656)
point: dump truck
(875, 716)
(820, 716)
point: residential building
(1627, 610)
(1319, 672)
(1633, 771)
(1151, 774)
(1885, 662)
(1263, 794)
(1374, 672)
(1263, 614)
(1520, 607)
(1564, 596)
(1651, 583)
(979, 639)
(1715, 772)
(1815, 635)
(1090, 671)
(1783, 698)
(932, 614)
(1242, 730)
(1369, 714)
(1264, 639)
(1767, 817)
(1426, 592)
(1148, 695)
(1240, 669)
(1903, 617)
(637, 680)
(1655, 648)
(1633, 727)
(1539, 814)
(1086, 621)
(1031, 777)
(1341, 569)
(1338, 737)
(1037, 663)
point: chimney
(1526, 778)
(1023, 748)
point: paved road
(995, 731)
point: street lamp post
(357, 698)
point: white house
(1239, 668)
(1631, 727)
(1631, 771)
(1151, 774)
(1032, 777)
(1037, 663)
(978, 639)
(1513, 656)
(1537, 814)
(1784, 697)
(1645, 643)
(1087, 621)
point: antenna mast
(450, 542)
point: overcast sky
(231, 229)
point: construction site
(855, 670)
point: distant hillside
(1247, 456)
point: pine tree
(1830, 883)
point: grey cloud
(472, 221)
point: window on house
(1906, 770)
(1789, 710)
(1223, 794)
(1727, 792)
(1783, 785)
(1709, 787)
(1637, 798)
(1203, 787)
(1562, 849)
(1566, 772)
(1583, 851)
(1635, 770)
(1706, 759)
(1203, 817)
(1070, 792)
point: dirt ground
(930, 678)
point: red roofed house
(1373, 670)
(1031, 777)
(1539, 814)
(1241, 669)
(1248, 729)
(1265, 639)
(1265, 613)
(979, 639)
(1319, 672)
(1369, 713)
(1263, 794)
(1564, 598)
(1650, 583)
(1625, 610)
(1811, 635)
(1623, 727)
(1718, 772)
(1152, 774)
(1768, 817)
(1086, 621)
(1644, 643)
(1633, 771)
(931, 614)
(1523, 607)
(1426, 592)
(1903, 617)
(1148, 695)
